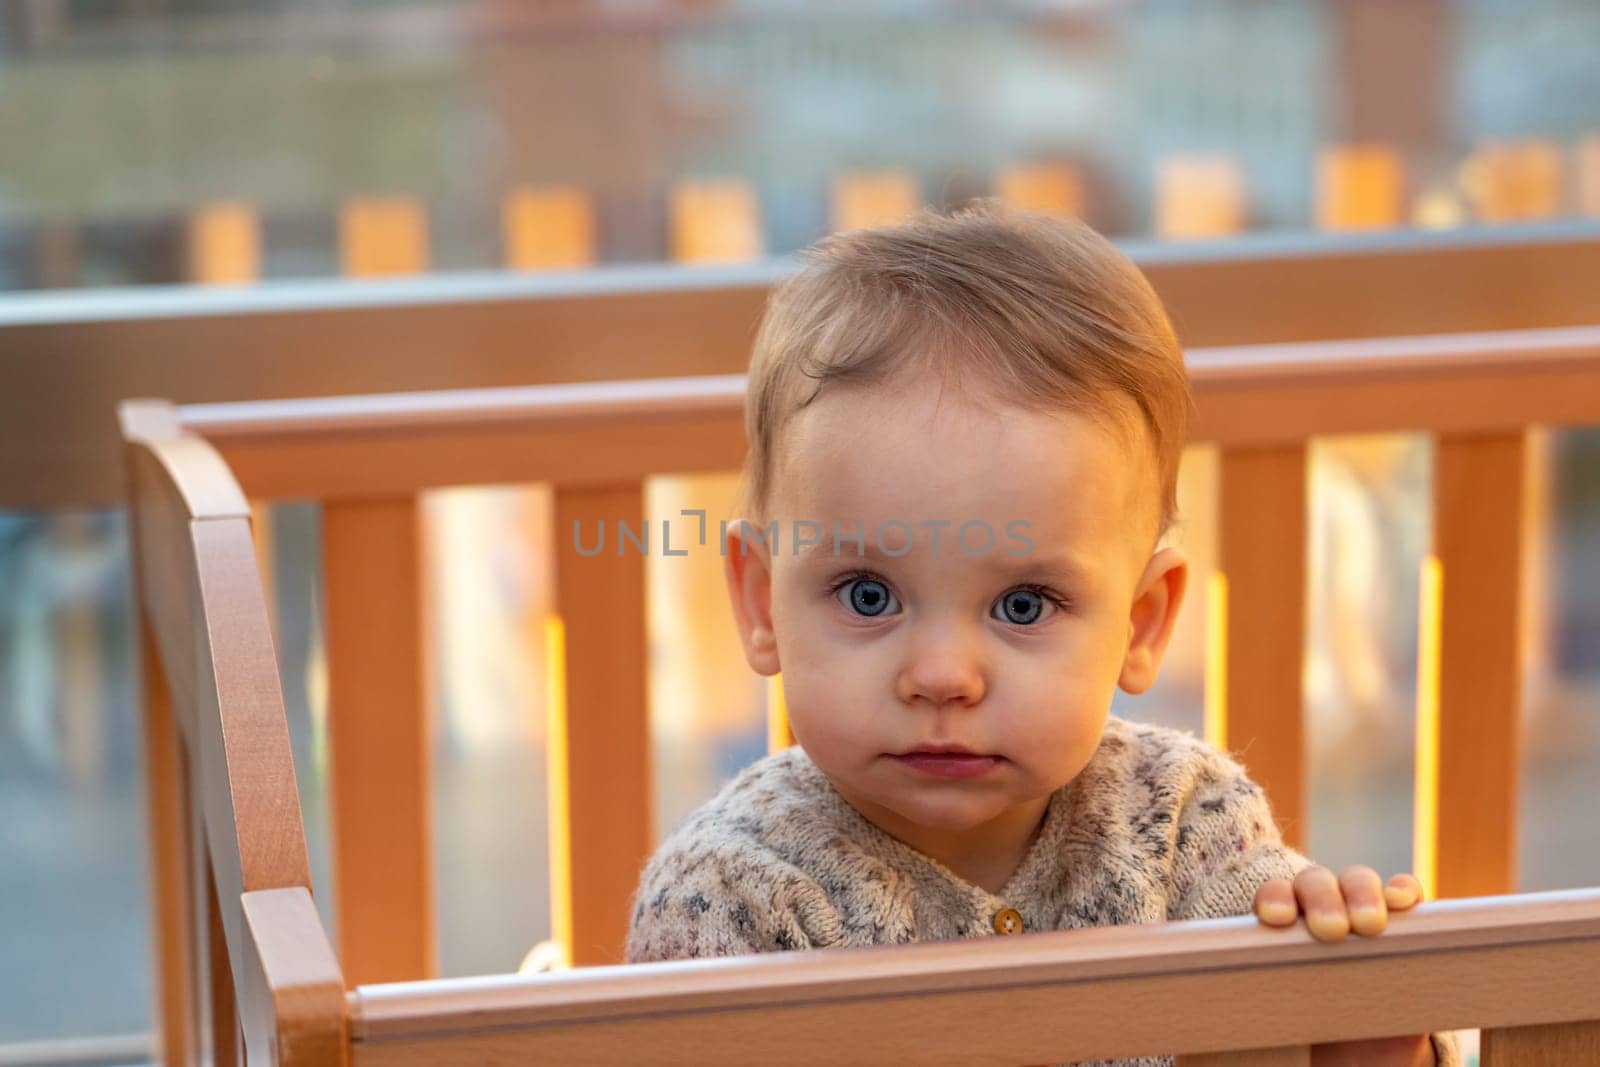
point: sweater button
(1008, 921)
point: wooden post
(1263, 652)
(600, 740)
(379, 733)
(379, 729)
(1478, 540)
(171, 906)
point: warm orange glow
(1359, 187)
(1216, 699)
(224, 245)
(1053, 188)
(383, 236)
(549, 229)
(779, 736)
(1425, 848)
(560, 794)
(716, 221)
(1199, 196)
(879, 198)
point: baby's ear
(1156, 600)
(747, 566)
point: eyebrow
(1061, 566)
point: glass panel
(1370, 524)
(488, 553)
(1559, 848)
(73, 834)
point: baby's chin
(952, 810)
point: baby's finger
(1363, 899)
(1274, 903)
(1320, 898)
(1402, 892)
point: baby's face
(945, 683)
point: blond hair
(1042, 310)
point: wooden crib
(242, 950)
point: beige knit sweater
(1158, 827)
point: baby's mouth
(948, 762)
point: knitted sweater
(1159, 826)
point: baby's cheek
(1056, 748)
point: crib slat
(1478, 540)
(223, 1037)
(168, 858)
(1288, 1056)
(1537, 1046)
(211, 1012)
(266, 559)
(604, 788)
(1261, 545)
(379, 734)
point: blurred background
(257, 142)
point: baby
(964, 436)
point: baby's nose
(942, 669)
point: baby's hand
(1333, 907)
(1355, 900)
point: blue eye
(868, 596)
(1024, 606)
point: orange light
(560, 793)
(1216, 681)
(1425, 846)
(779, 736)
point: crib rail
(1525, 968)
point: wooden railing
(69, 357)
(258, 980)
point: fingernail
(1278, 913)
(1328, 925)
(1366, 917)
